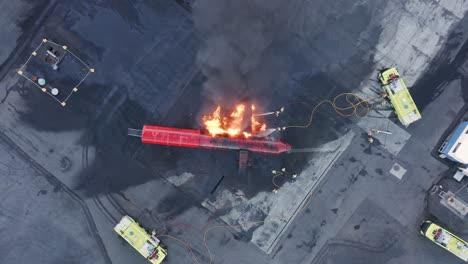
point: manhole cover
(398, 171)
(65, 163)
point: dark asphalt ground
(163, 63)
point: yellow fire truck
(445, 239)
(147, 245)
(399, 96)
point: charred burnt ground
(107, 103)
(209, 166)
(311, 76)
(33, 19)
(306, 84)
(112, 101)
(117, 104)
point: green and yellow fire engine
(445, 239)
(147, 245)
(399, 96)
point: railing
(134, 132)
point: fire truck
(147, 245)
(399, 96)
(445, 239)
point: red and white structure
(192, 138)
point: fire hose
(354, 101)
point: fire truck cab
(399, 96)
(147, 245)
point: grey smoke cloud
(260, 50)
(236, 40)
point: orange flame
(232, 125)
(256, 126)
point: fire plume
(232, 125)
(255, 124)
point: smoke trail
(236, 53)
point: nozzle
(281, 110)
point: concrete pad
(73, 71)
(370, 226)
(276, 211)
(398, 171)
(408, 31)
(464, 69)
(116, 55)
(457, 8)
(188, 225)
(454, 204)
(410, 38)
(41, 221)
(444, 213)
(443, 109)
(392, 143)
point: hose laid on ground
(341, 111)
(355, 102)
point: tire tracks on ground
(54, 181)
